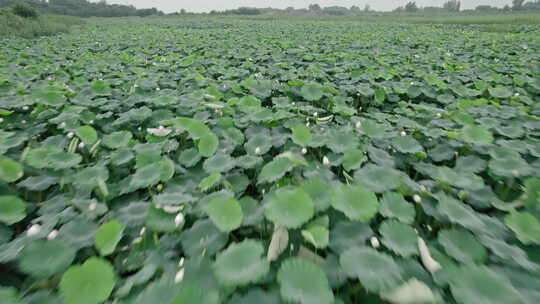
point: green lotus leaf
(406, 144)
(121, 156)
(377, 178)
(49, 96)
(275, 169)
(210, 181)
(373, 129)
(38, 183)
(219, 163)
(376, 271)
(532, 193)
(312, 92)
(203, 236)
(257, 295)
(479, 284)
(208, 145)
(476, 135)
(319, 192)
(89, 283)
(393, 205)
(158, 220)
(38, 158)
(525, 226)
(462, 246)
(107, 237)
(509, 167)
(189, 157)
(63, 160)
(226, 214)
(87, 178)
(356, 202)
(100, 87)
(87, 134)
(10, 295)
(500, 92)
(459, 213)
(146, 176)
(398, 237)
(78, 233)
(345, 235)
(116, 140)
(301, 135)
(189, 293)
(289, 207)
(294, 286)
(353, 159)
(10, 170)
(241, 264)
(42, 258)
(340, 142)
(318, 236)
(12, 209)
(468, 181)
(208, 141)
(258, 145)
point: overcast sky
(169, 6)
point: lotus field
(210, 161)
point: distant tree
(452, 5)
(506, 8)
(354, 9)
(314, 7)
(24, 10)
(183, 11)
(367, 8)
(411, 7)
(486, 8)
(517, 4)
(335, 10)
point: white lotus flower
(92, 207)
(375, 242)
(34, 230)
(403, 133)
(179, 277)
(325, 161)
(161, 131)
(516, 95)
(214, 106)
(417, 198)
(307, 124)
(70, 135)
(1, 120)
(315, 114)
(24, 121)
(358, 124)
(81, 145)
(52, 235)
(439, 115)
(91, 122)
(179, 219)
(304, 150)
(257, 150)
(429, 263)
(181, 262)
(158, 89)
(25, 108)
(62, 125)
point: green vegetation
(222, 160)
(13, 25)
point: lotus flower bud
(179, 277)
(325, 161)
(34, 230)
(417, 198)
(375, 242)
(52, 235)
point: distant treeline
(83, 8)
(451, 6)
